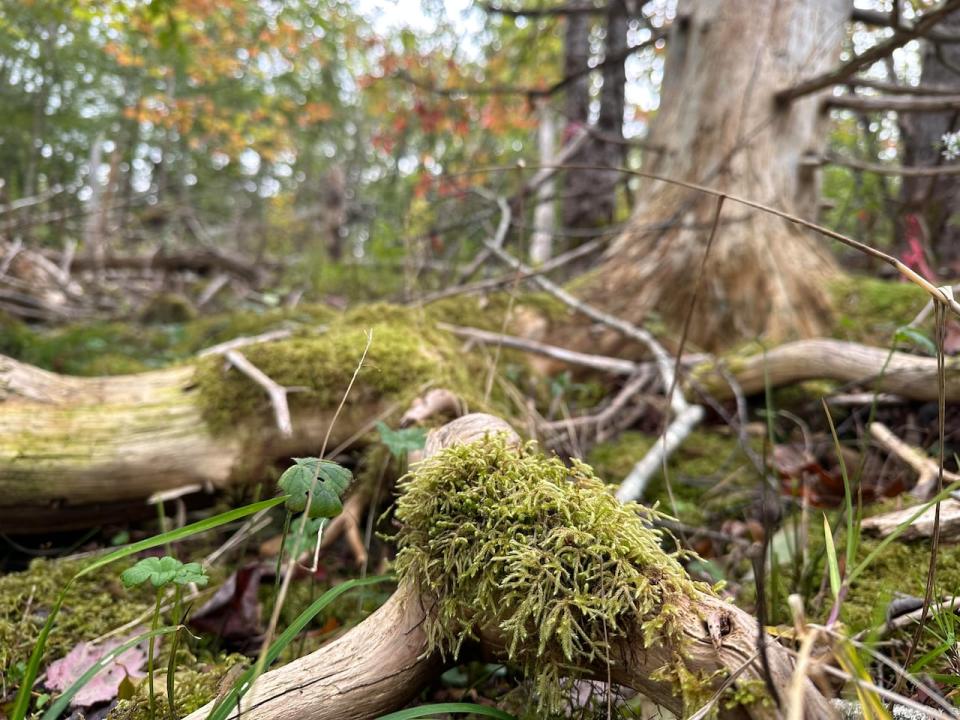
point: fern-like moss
(543, 553)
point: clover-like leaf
(404, 441)
(164, 570)
(331, 482)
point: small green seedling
(322, 482)
(402, 442)
(315, 486)
(162, 571)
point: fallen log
(909, 376)
(68, 444)
(536, 564)
(72, 448)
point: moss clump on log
(406, 353)
(542, 553)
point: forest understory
(522, 360)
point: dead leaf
(104, 686)
(233, 612)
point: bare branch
(277, 393)
(896, 103)
(612, 365)
(886, 169)
(897, 89)
(900, 37)
(882, 19)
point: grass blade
(22, 703)
(63, 700)
(429, 710)
(832, 562)
(229, 701)
(181, 533)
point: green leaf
(404, 441)
(917, 337)
(161, 571)
(327, 479)
(22, 702)
(223, 708)
(439, 708)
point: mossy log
(513, 554)
(75, 450)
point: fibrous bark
(719, 125)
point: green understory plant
(22, 702)
(161, 572)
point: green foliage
(403, 441)
(870, 310)
(166, 570)
(541, 552)
(97, 602)
(447, 708)
(22, 702)
(322, 482)
(63, 700)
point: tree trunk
(589, 195)
(719, 125)
(933, 201)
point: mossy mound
(94, 605)
(113, 348)
(544, 553)
(406, 352)
(869, 310)
(705, 459)
(901, 567)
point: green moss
(487, 311)
(901, 567)
(195, 684)
(95, 604)
(705, 458)
(405, 353)
(168, 308)
(869, 310)
(110, 348)
(543, 552)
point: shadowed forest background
(515, 359)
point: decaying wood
(922, 527)
(383, 662)
(70, 447)
(909, 376)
